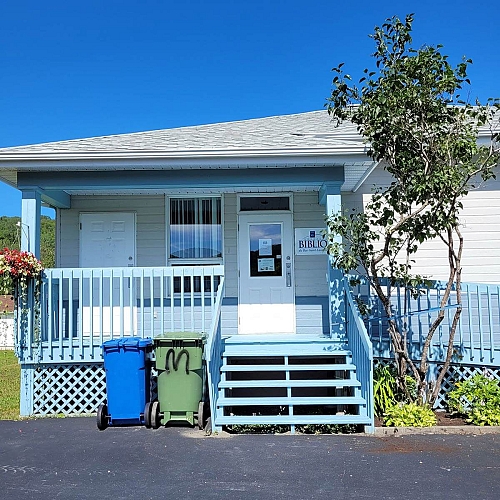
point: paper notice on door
(264, 265)
(265, 246)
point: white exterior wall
(150, 226)
(311, 289)
(480, 219)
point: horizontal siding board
(150, 226)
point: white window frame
(264, 195)
(198, 261)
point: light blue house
(216, 229)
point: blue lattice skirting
(64, 389)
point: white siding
(310, 270)
(150, 226)
(480, 219)
(231, 245)
(229, 312)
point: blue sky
(79, 69)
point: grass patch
(10, 377)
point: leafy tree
(410, 112)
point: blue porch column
(31, 209)
(329, 196)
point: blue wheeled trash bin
(127, 381)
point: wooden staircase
(289, 380)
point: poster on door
(310, 241)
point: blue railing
(477, 338)
(213, 353)
(82, 308)
(362, 350)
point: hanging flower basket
(19, 270)
(19, 266)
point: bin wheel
(147, 415)
(102, 417)
(155, 415)
(201, 411)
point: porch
(289, 379)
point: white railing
(362, 350)
(82, 308)
(477, 339)
(213, 353)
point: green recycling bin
(181, 380)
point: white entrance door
(108, 240)
(266, 291)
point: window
(253, 203)
(195, 229)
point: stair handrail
(213, 351)
(361, 348)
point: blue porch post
(31, 209)
(329, 196)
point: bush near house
(478, 399)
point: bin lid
(129, 342)
(180, 336)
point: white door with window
(266, 292)
(107, 239)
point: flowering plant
(17, 271)
(19, 265)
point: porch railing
(213, 353)
(477, 338)
(82, 308)
(361, 349)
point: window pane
(265, 250)
(250, 203)
(195, 228)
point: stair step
(278, 338)
(285, 401)
(292, 419)
(235, 384)
(274, 350)
(290, 368)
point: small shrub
(384, 388)
(327, 428)
(478, 399)
(409, 415)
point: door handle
(288, 274)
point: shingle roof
(312, 130)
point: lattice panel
(68, 389)
(72, 389)
(458, 373)
(455, 373)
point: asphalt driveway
(70, 459)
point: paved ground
(70, 459)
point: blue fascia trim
(154, 179)
(327, 189)
(56, 199)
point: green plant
(410, 112)
(478, 398)
(409, 415)
(385, 388)
(386, 391)
(327, 428)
